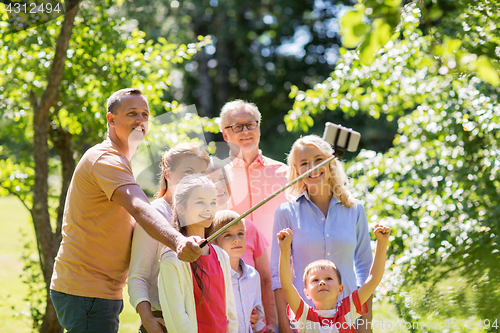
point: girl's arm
(174, 303)
(150, 322)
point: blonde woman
(179, 161)
(326, 221)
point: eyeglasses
(239, 127)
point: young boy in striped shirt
(323, 284)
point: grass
(13, 308)
(385, 318)
(14, 312)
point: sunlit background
(418, 79)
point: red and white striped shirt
(342, 319)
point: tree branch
(445, 273)
(41, 107)
(62, 144)
(18, 196)
(33, 100)
(47, 241)
(56, 71)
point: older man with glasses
(253, 177)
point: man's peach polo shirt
(97, 233)
(250, 184)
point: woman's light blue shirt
(341, 237)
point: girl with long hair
(197, 296)
(179, 161)
(326, 221)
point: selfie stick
(340, 137)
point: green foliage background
(438, 186)
(426, 70)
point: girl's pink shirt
(212, 311)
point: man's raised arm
(134, 200)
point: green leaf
(368, 48)
(486, 72)
(309, 121)
(435, 12)
(393, 3)
(384, 33)
(360, 30)
(348, 21)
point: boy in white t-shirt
(323, 284)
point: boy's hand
(382, 233)
(254, 317)
(285, 238)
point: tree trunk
(205, 100)
(223, 57)
(62, 144)
(46, 240)
(50, 322)
(205, 105)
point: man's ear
(224, 135)
(110, 118)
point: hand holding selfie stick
(340, 137)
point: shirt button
(322, 219)
(327, 235)
(328, 254)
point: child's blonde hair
(338, 179)
(320, 264)
(221, 219)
